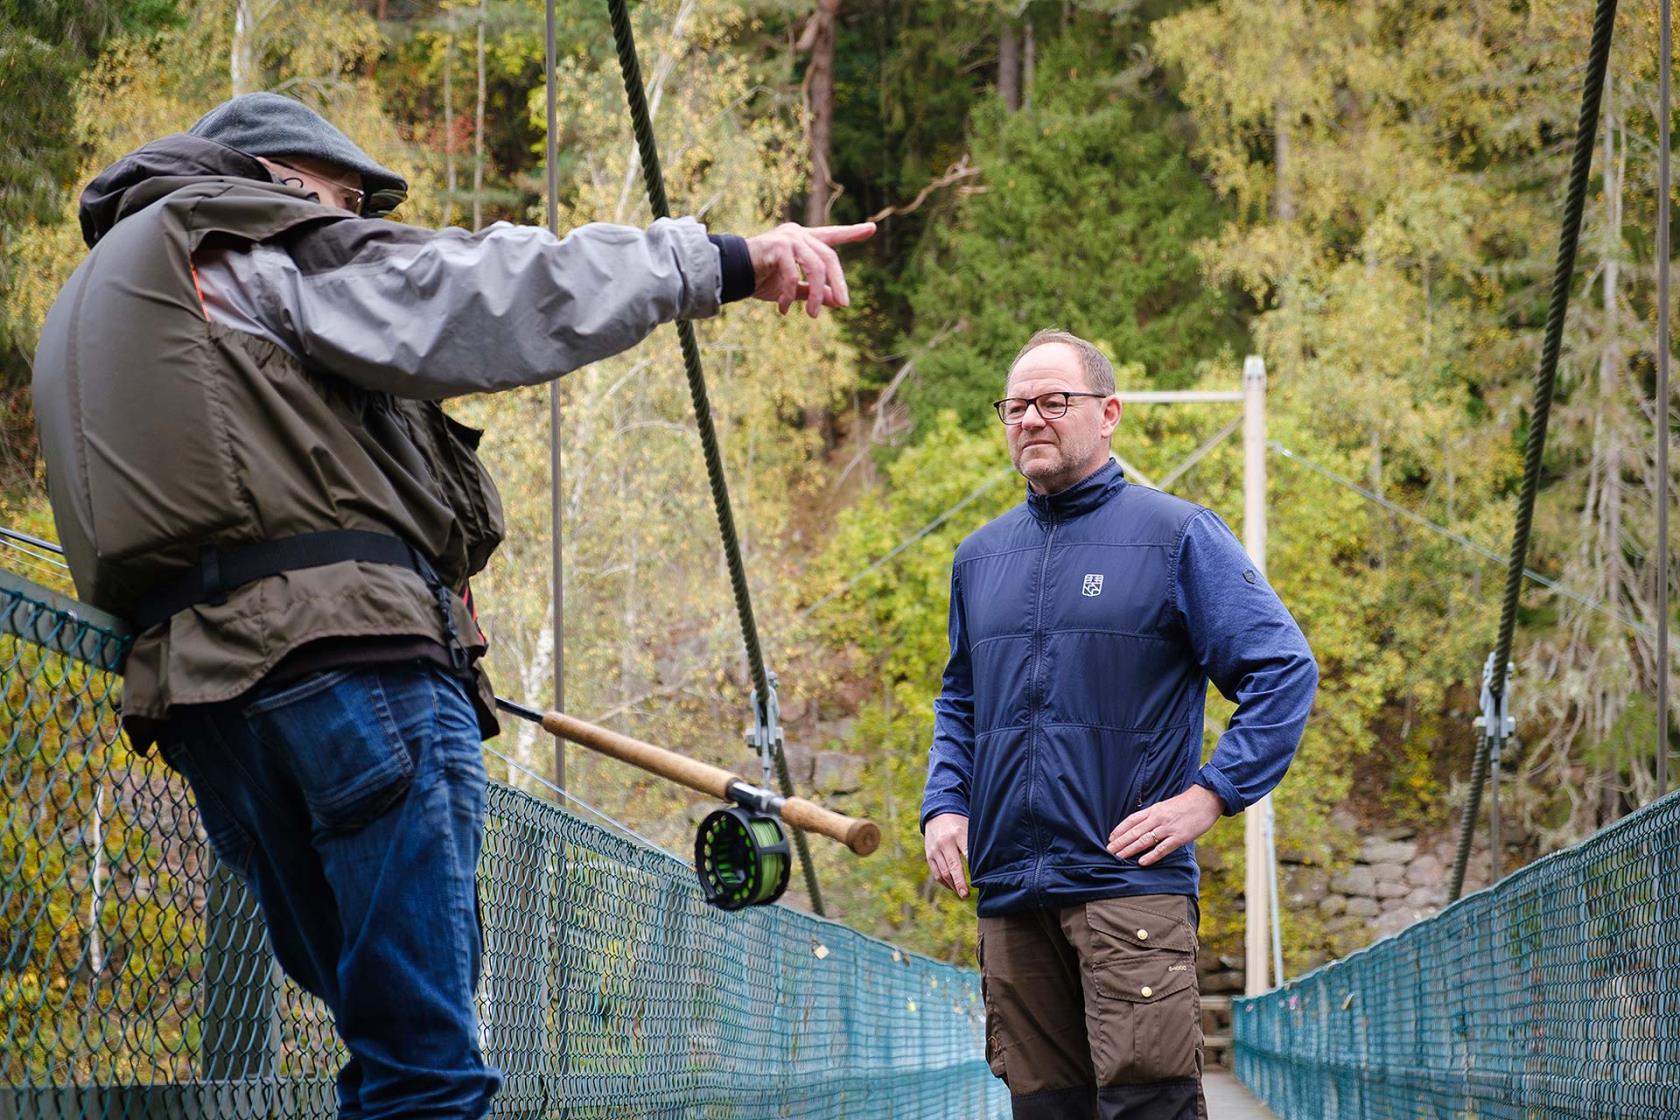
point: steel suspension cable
(44, 552)
(1464, 542)
(940, 519)
(1665, 47)
(556, 463)
(630, 66)
(1586, 129)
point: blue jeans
(352, 802)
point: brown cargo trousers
(1093, 1010)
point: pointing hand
(794, 263)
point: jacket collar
(1084, 496)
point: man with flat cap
(237, 395)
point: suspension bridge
(135, 980)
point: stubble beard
(1051, 476)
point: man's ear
(1113, 409)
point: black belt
(220, 570)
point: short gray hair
(1099, 372)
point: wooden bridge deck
(1229, 1099)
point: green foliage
(1089, 212)
(1396, 173)
(84, 873)
(44, 47)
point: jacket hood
(142, 177)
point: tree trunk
(1609, 377)
(478, 130)
(1029, 65)
(819, 108)
(1009, 65)
(242, 58)
(1375, 482)
(1283, 198)
(450, 184)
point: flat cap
(269, 124)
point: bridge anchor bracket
(1496, 721)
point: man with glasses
(237, 396)
(1066, 759)
(317, 179)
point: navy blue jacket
(1085, 626)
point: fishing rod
(740, 852)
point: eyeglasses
(1051, 406)
(357, 195)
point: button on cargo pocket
(341, 743)
(1143, 968)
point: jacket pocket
(466, 485)
(1167, 769)
(342, 743)
(1086, 781)
(1142, 964)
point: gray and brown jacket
(234, 363)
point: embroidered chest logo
(1093, 585)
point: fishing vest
(169, 438)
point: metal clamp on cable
(1497, 724)
(1496, 721)
(766, 735)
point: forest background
(1364, 192)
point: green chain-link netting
(1555, 993)
(135, 979)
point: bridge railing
(1554, 993)
(135, 979)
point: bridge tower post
(1257, 820)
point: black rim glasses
(1051, 406)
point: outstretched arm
(441, 313)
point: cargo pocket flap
(1143, 928)
(1138, 955)
(1150, 979)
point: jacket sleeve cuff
(1210, 777)
(698, 266)
(944, 804)
(736, 263)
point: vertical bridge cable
(625, 40)
(1586, 128)
(1665, 48)
(557, 560)
(562, 1002)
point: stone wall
(1385, 882)
(1393, 879)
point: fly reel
(741, 858)
(741, 851)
